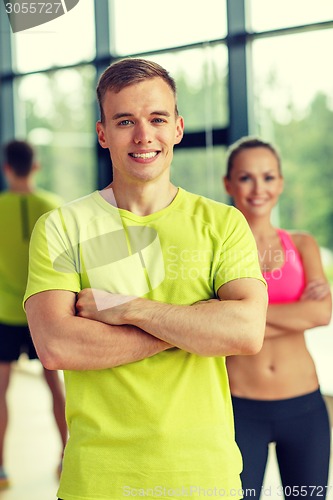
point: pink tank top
(286, 283)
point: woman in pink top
(276, 395)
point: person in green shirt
(20, 206)
(138, 292)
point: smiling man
(140, 331)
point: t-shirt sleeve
(53, 263)
(238, 254)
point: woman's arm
(315, 306)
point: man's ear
(35, 166)
(5, 168)
(179, 129)
(101, 134)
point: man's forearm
(67, 342)
(212, 328)
(89, 345)
(233, 325)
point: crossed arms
(70, 333)
(315, 305)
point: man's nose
(142, 133)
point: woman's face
(255, 182)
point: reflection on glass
(156, 24)
(200, 171)
(69, 39)
(267, 14)
(201, 77)
(55, 111)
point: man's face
(140, 130)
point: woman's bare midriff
(271, 373)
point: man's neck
(21, 186)
(141, 200)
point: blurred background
(259, 67)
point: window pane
(290, 71)
(200, 171)
(201, 77)
(269, 14)
(68, 39)
(56, 113)
(157, 24)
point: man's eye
(124, 122)
(269, 178)
(158, 120)
(244, 178)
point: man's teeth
(144, 155)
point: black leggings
(301, 430)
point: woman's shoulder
(303, 240)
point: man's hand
(102, 306)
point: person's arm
(315, 306)
(232, 324)
(65, 341)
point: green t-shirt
(18, 214)
(161, 427)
